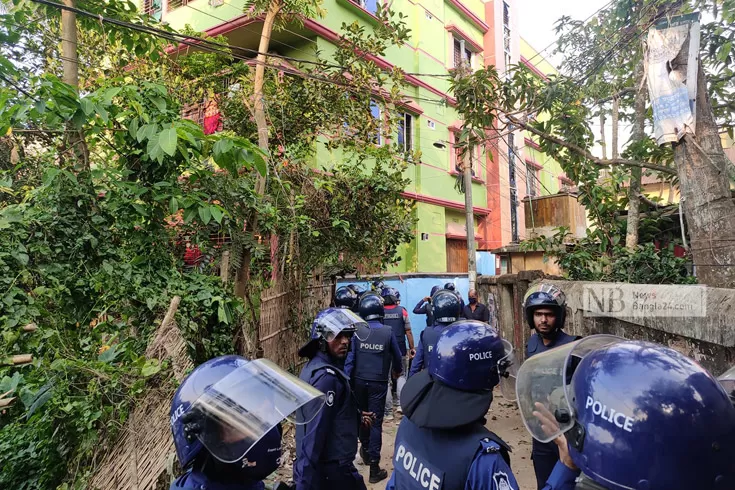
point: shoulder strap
(492, 443)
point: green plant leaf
(167, 141)
(151, 367)
(205, 214)
(173, 205)
(216, 213)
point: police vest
(432, 459)
(395, 319)
(536, 344)
(341, 445)
(373, 355)
(195, 480)
(428, 341)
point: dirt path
(503, 419)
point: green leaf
(109, 94)
(151, 367)
(167, 141)
(110, 354)
(205, 214)
(133, 127)
(159, 102)
(216, 213)
(146, 132)
(140, 209)
(222, 146)
(50, 175)
(173, 205)
(102, 113)
(189, 214)
(43, 395)
(260, 165)
(87, 106)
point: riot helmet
(390, 296)
(328, 324)
(371, 307)
(545, 296)
(636, 415)
(345, 297)
(445, 306)
(228, 404)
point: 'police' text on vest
(375, 347)
(407, 462)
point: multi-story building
(444, 33)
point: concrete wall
(709, 340)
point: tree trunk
(634, 188)
(70, 64)
(602, 134)
(69, 61)
(242, 277)
(705, 196)
(615, 121)
(470, 219)
(258, 95)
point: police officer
(225, 422)
(396, 317)
(544, 306)
(451, 287)
(327, 444)
(636, 415)
(346, 297)
(369, 364)
(423, 307)
(445, 310)
(442, 441)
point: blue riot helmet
(345, 297)
(227, 405)
(465, 369)
(434, 289)
(371, 306)
(449, 286)
(328, 324)
(637, 415)
(390, 296)
(545, 296)
(445, 306)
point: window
(462, 55)
(376, 113)
(506, 39)
(369, 5)
(405, 132)
(153, 8)
(531, 180)
(174, 4)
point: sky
(536, 25)
(537, 18)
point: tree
(602, 64)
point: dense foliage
(111, 204)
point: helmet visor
(541, 386)
(727, 380)
(549, 289)
(338, 321)
(246, 404)
(508, 370)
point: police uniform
(255, 468)
(326, 446)
(545, 455)
(396, 317)
(442, 442)
(424, 349)
(368, 365)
